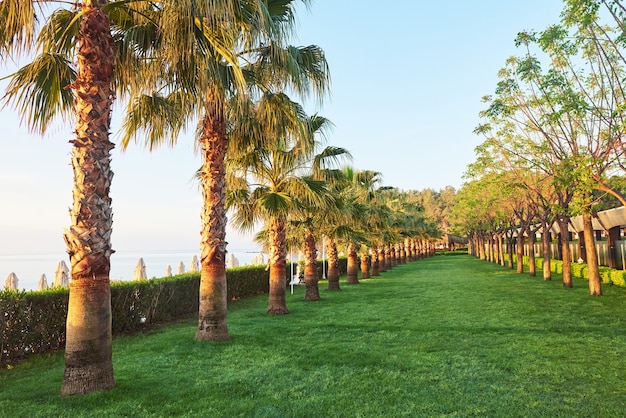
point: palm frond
(58, 35)
(275, 203)
(160, 118)
(39, 90)
(17, 26)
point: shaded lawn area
(445, 336)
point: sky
(407, 81)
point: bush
(31, 322)
(34, 322)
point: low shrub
(34, 321)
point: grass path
(446, 336)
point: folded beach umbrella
(168, 271)
(232, 261)
(140, 270)
(181, 268)
(62, 275)
(195, 264)
(11, 282)
(43, 282)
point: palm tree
(269, 177)
(308, 221)
(102, 38)
(118, 48)
(359, 192)
(216, 89)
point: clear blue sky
(407, 79)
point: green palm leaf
(39, 91)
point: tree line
(553, 137)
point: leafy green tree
(568, 116)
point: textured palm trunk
(595, 284)
(382, 263)
(213, 297)
(365, 266)
(375, 261)
(392, 256)
(88, 352)
(407, 249)
(353, 266)
(333, 265)
(278, 265)
(311, 276)
(388, 262)
(566, 256)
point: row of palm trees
(227, 65)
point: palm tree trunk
(278, 264)
(213, 303)
(333, 265)
(365, 266)
(88, 351)
(311, 277)
(595, 284)
(353, 268)
(388, 258)
(382, 261)
(408, 250)
(375, 261)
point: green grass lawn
(445, 336)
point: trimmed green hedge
(34, 322)
(579, 270)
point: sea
(29, 267)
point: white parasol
(62, 275)
(140, 270)
(43, 282)
(195, 264)
(11, 282)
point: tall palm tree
(115, 45)
(216, 90)
(103, 39)
(269, 177)
(359, 192)
(309, 221)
